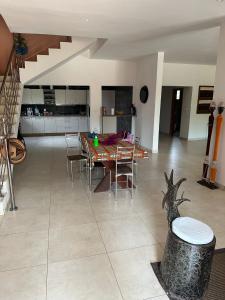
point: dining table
(107, 154)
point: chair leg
(90, 177)
(116, 187)
(67, 166)
(71, 169)
(110, 181)
(132, 186)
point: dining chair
(91, 164)
(72, 146)
(124, 166)
(137, 143)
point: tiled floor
(65, 243)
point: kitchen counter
(23, 116)
(53, 124)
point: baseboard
(197, 139)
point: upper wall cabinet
(76, 97)
(27, 96)
(37, 96)
(60, 97)
(33, 96)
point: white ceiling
(187, 30)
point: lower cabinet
(50, 125)
(83, 124)
(46, 125)
(26, 124)
(39, 125)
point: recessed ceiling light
(86, 20)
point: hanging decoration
(20, 44)
(204, 181)
(219, 124)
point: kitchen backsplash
(54, 109)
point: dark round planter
(185, 268)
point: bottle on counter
(95, 141)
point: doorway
(176, 111)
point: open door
(176, 110)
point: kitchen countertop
(54, 116)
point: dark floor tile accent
(216, 288)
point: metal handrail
(9, 91)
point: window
(178, 95)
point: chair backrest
(72, 141)
(125, 154)
(137, 140)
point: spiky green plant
(170, 201)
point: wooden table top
(108, 152)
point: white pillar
(95, 107)
(219, 95)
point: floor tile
(25, 221)
(87, 278)
(158, 298)
(134, 273)
(125, 233)
(24, 284)
(132, 230)
(74, 242)
(71, 214)
(23, 250)
(108, 209)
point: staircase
(51, 58)
(22, 71)
(10, 104)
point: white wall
(149, 72)
(219, 95)
(191, 76)
(93, 72)
(97, 73)
(186, 112)
(165, 111)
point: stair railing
(9, 91)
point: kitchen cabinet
(71, 124)
(83, 124)
(38, 124)
(81, 96)
(57, 124)
(60, 97)
(27, 98)
(76, 97)
(26, 125)
(70, 97)
(50, 124)
(37, 96)
(60, 124)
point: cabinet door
(60, 124)
(27, 99)
(68, 124)
(50, 125)
(60, 97)
(75, 124)
(70, 97)
(26, 125)
(83, 124)
(81, 96)
(37, 96)
(38, 125)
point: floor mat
(216, 288)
